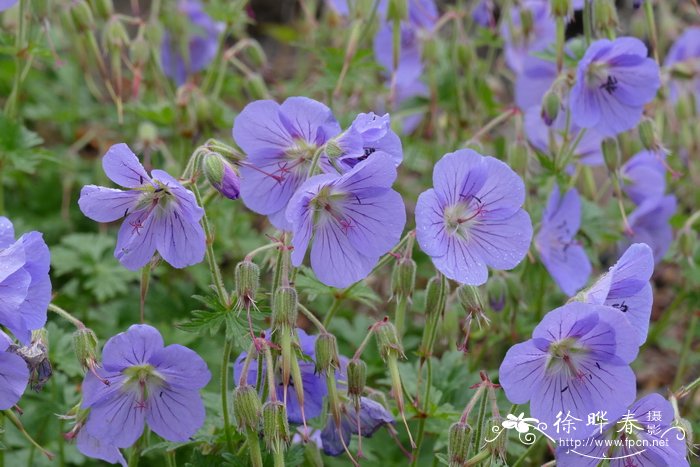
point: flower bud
(388, 340)
(115, 36)
(275, 425)
(648, 135)
(139, 52)
(221, 175)
(357, 377)
(403, 278)
(153, 32)
(247, 281)
(469, 297)
(256, 54)
(327, 359)
(687, 428)
(518, 157)
(458, 444)
(85, 347)
(397, 10)
(103, 8)
(333, 149)
(247, 407)
(256, 86)
(550, 107)
(562, 8)
(82, 16)
(496, 292)
(611, 154)
(435, 296)
(605, 15)
(498, 445)
(526, 21)
(147, 134)
(284, 308)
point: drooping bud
(103, 8)
(497, 291)
(115, 37)
(85, 347)
(255, 53)
(611, 154)
(562, 8)
(397, 10)
(247, 407)
(431, 50)
(82, 16)
(605, 15)
(550, 107)
(648, 135)
(139, 52)
(458, 444)
(498, 445)
(435, 296)
(403, 278)
(333, 149)
(221, 175)
(469, 297)
(256, 86)
(388, 341)
(284, 308)
(247, 282)
(687, 430)
(687, 242)
(357, 377)
(327, 359)
(275, 425)
(518, 157)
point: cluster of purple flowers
(141, 382)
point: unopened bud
(687, 432)
(256, 86)
(648, 135)
(403, 278)
(357, 377)
(82, 16)
(284, 308)
(139, 52)
(498, 445)
(458, 444)
(435, 296)
(605, 15)
(247, 407)
(526, 21)
(496, 292)
(562, 8)
(147, 133)
(275, 425)
(550, 107)
(469, 298)
(397, 10)
(115, 37)
(256, 54)
(327, 359)
(221, 175)
(247, 282)
(103, 8)
(388, 340)
(85, 347)
(333, 149)
(611, 154)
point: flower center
(327, 208)
(460, 217)
(599, 76)
(564, 355)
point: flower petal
(135, 346)
(181, 367)
(15, 375)
(136, 242)
(117, 420)
(106, 204)
(521, 369)
(123, 167)
(175, 414)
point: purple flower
(588, 150)
(148, 384)
(473, 217)
(533, 81)
(280, 142)
(564, 258)
(369, 134)
(25, 286)
(482, 14)
(161, 215)
(650, 224)
(92, 447)
(649, 421)
(314, 384)
(14, 373)
(372, 415)
(350, 220)
(626, 288)
(339, 6)
(614, 81)
(576, 363)
(7, 4)
(644, 176)
(686, 50)
(201, 46)
(519, 43)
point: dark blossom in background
(533, 81)
(90, 446)
(14, 374)
(148, 384)
(25, 286)
(369, 134)
(576, 363)
(7, 4)
(161, 215)
(686, 50)
(564, 258)
(644, 177)
(279, 142)
(315, 388)
(350, 220)
(650, 224)
(614, 81)
(473, 217)
(482, 14)
(372, 415)
(626, 288)
(649, 422)
(184, 53)
(520, 43)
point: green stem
(315, 160)
(480, 456)
(278, 456)
(524, 455)
(211, 260)
(145, 279)
(331, 313)
(11, 104)
(311, 317)
(683, 361)
(503, 117)
(651, 24)
(67, 316)
(269, 246)
(224, 394)
(561, 38)
(400, 317)
(588, 21)
(424, 415)
(9, 414)
(254, 448)
(660, 326)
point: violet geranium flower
(148, 384)
(519, 43)
(25, 286)
(650, 224)
(644, 176)
(7, 4)
(564, 258)
(369, 134)
(14, 373)
(648, 423)
(90, 446)
(626, 288)
(161, 215)
(576, 363)
(686, 50)
(533, 81)
(279, 142)
(473, 217)
(614, 81)
(201, 42)
(350, 220)
(372, 415)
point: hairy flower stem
(561, 38)
(11, 104)
(315, 160)
(478, 458)
(651, 24)
(211, 260)
(424, 415)
(331, 313)
(311, 317)
(278, 456)
(496, 121)
(479, 425)
(10, 415)
(400, 317)
(397, 392)
(67, 316)
(526, 454)
(279, 268)
(269, 246)
(254, 448)
(224, 394)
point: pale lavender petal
(15, 375)
(90, 446)
(180, 238)
(123, 167)
(7, 232)
(118, 420)
(181, 367)
(308, 119)
(136, 240)
(174, 414)
(135, 346)
(259, 131)
(430, 224)
(502, 242)
(521, 369)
